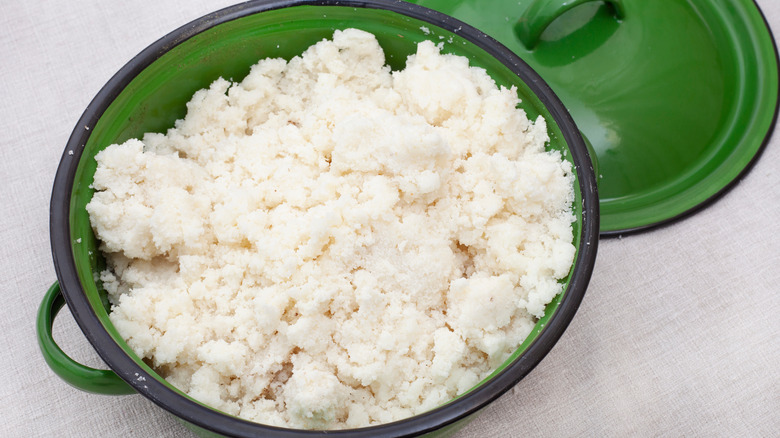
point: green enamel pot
(149, 94)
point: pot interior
(150, 93)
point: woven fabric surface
(677, 334)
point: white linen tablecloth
(677, 334)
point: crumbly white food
(329, 244)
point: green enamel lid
(676, 97)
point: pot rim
(224, 424)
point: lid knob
(541, 13)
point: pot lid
(676, 97)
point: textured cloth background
(677, 335)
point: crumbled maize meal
(328, 244)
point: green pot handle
(541, 13)
(82, 377)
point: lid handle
(541, 13)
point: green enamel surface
(676, 97)
(157, 97)
(78, 375)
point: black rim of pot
(224, 424)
